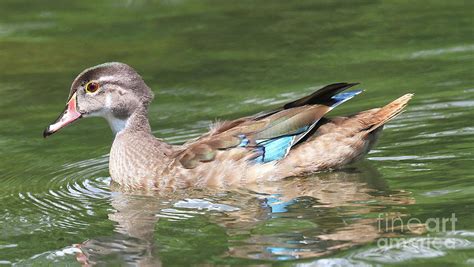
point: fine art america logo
(390, 224)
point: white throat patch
(116, 124)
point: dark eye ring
(92, 87)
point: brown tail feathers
(388, 112)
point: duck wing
(266, 136)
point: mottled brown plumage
(293, 140)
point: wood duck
(293, 140)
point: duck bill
(69, 115)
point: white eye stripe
(106, 78)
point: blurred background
(208, 60)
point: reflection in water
(291, 219)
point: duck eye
(92, 87)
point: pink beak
(69, 115)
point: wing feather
(266, 136)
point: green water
(223, 59)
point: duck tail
(388, 112)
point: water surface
(211, 60)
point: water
(210, 59)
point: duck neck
(137, 121)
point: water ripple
(72, 193)
(396, 250)
(441, 51)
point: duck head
(113, 91)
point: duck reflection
(290, 219)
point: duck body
(294, 140)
